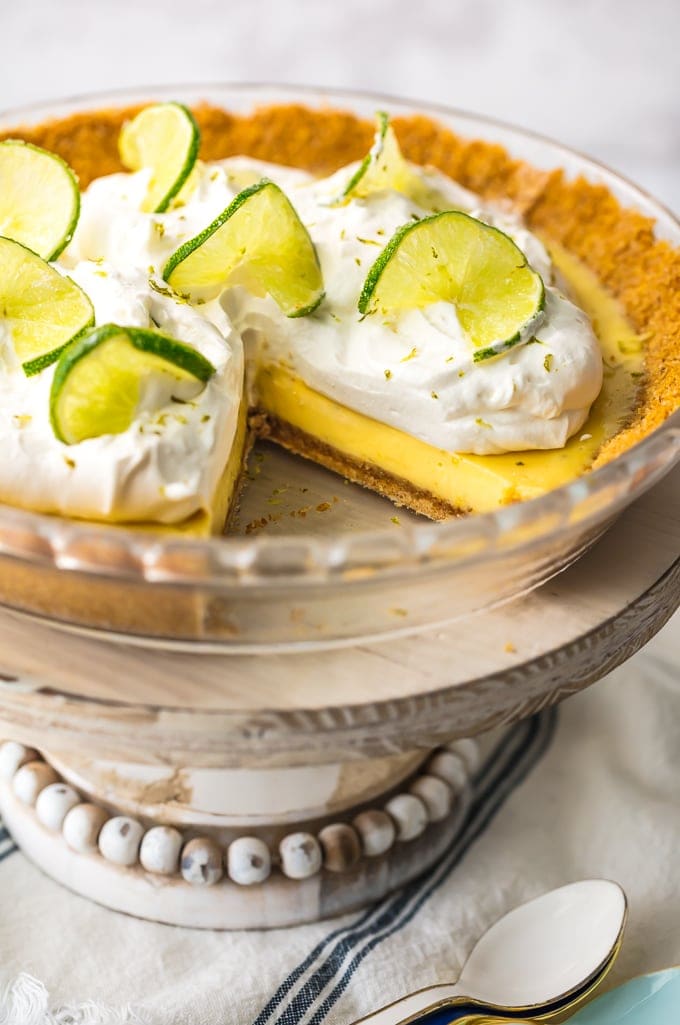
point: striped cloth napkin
(590, 790)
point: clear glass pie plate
(313, 562)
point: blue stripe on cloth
(510, 763)
(7, 845)
(509, 740)
(6, 851)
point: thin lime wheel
(43, 309)
(39, 198)
(164, 138)
(455, 258)
(99, 380)
(385, 168)
(258, 241)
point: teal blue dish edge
(652, 999)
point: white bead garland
(201, 861)
(410, 815)
(82, 827)
(451, 768)
(119, 840)
(160, 849)
(12, 756)
(340, 846)
(300, 855)
(54, 803)
(248, 861)
(435, 794)
(376, 830)
(30, 779)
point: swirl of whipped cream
(167, 465)
(416, 373)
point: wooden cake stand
(236, 791)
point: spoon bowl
(543, 951)
(541, 956)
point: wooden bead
(54, 803)
(435, 794)
(376, 830)
(300, 855)
(248, 861)
(201, 862)
(340, 846)
(119, 840)
(409, 814)
(451, 768)
(12, 756)
(30, 779)
(82, 827)
(159, 851)
(468, 750)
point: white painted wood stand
(297, 786)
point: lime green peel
(43, 309)
(258, 241)
(453, 257)
(165, 139)
(39, 198)
(98, 380)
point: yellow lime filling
(469, 482)
(213, 519)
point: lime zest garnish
(44, 310)
(453, 257)
(39, 198)
(98, 380)
(257, 241)
(164, 138)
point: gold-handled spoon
(538, 960)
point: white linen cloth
(589, 791)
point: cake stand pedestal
(241, 791)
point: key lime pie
(427, 327)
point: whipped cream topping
(415, 373)
(167, 465)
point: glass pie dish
(310, 563)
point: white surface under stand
(258, 791)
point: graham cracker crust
(618, 244)
(398, 490)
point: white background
(601, 75)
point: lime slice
(98, 381)
(189, 187)
(39, 198)
(385, 167)
(164, 138)
(43, 309)
(453, 257)
(258, 241)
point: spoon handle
(424, 1007)
(481, 1019)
